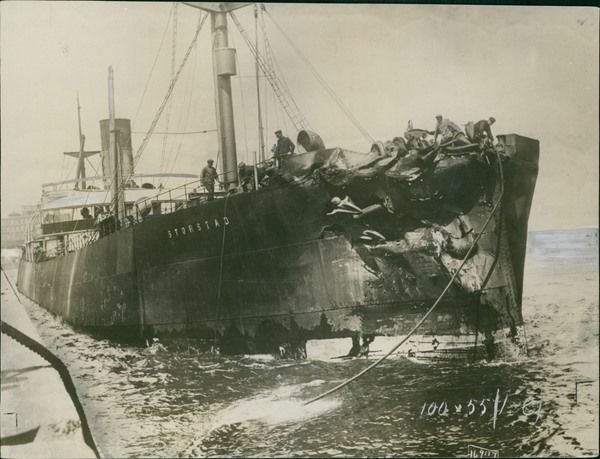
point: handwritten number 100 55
(528, 407)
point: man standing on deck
(284, 145)
(208, 177)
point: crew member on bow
(284, 146)
(246, 177)
(445, 130)
(482, 130)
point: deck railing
(171, 200)
(163, 202)
(98, 182)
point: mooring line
(428, 313)
(11, 285)
(218, 304)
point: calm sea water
(180, 403)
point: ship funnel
(123, 128)
(310, 141)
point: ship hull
(266, 271)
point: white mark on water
(279, 406)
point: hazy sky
(535, 69)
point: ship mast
(261, 140)
(81, 163)
(113, 146)
(81, 155)
(224, 68)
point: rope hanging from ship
(221, 258)
(496, 206)
(57, 364)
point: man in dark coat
(246, 177)
(482, 128)
(208, 177)
(284, 145)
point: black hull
(255, 270)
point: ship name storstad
(197, 227)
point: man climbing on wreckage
(447, 131)
(482, 130)
(481, 133)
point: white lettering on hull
(197, 227)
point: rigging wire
(435, 304)
(272, 60)
(153, 66)
(142, 146)
(281, 119)
(266, 113)
(278, 109)
(286, 99)
(335, 98)
(177, 133)
(175, 147)
(92, 165)
(187, 112)
(272, 103)
(170, 103)
(184, 115)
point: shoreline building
(15, 226)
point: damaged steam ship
(328, 246)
